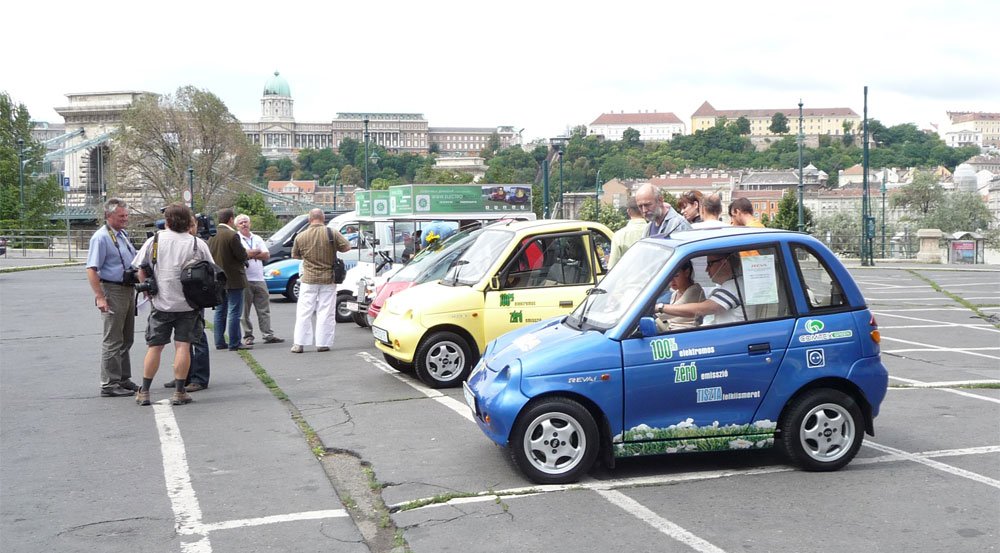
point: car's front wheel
(292, 290)
(443, 360)
(822, 430)
(344, 315)
(554, 441)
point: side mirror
(647, 327)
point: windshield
(481, 255)
(433, 254)
(285, 232)
(633, 272)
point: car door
(708, 381)
(547, 276)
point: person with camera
(160, 261)
(317, 247)
(109, 272)
(230, 254)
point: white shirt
(173, 250)
(728, 296)
(709, 224)
(255, 267)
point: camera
(130, 277)
(149, 286)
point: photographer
(109, 256)
(160, 261)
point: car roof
(549, 225)
(725, 236)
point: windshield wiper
(458, 269)
(587, 303)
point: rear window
(822, 289)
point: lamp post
(366, 153)
(20, 177)
(191, 185)
(597, 196)
(335, 175)
(559, 142)
(802, 225)
(867, 222)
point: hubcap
(445, 361)
(827, 432)
(554, 443)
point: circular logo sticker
(813, 326)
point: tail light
(875, 335)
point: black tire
(360, 319)
(444, 360)
(344, 315)
(822, 430)
(397, 364)
(557, 418)
(292, 290)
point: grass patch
(437, 499)
(39, 267)
(958, 299)
(373, 483)
(982, 385)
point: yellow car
(514, 274)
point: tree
(492, 147)
(841, 232)
(741, 126)
(610, 217)
(42, 195)
(921, 195)
(631, 137)
(262, 218)
(848, 138)
(161, 136)
(779, 123)
(787, 216)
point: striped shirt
(313, 247)
(728, 296)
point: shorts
(184, 325)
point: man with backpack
(317, 247)
(230, 254)
(160, 263)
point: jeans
(227, 319)
(200, 367)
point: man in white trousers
(317, 247)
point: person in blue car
(724, 303)
(684, 290)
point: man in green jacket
(229, 254)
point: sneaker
(242, 347)
(273, 340)
(322, 349)
(296, 349)
(142, 397)
(194, 387)
(249, 341)
(116, 391)
(129, 385)
(180, 398)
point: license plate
(351, 306)
(469, 398)
(380, 334)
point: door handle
(757, 349)
(565, 303)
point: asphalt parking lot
(86, 473)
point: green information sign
(429, 199)
(380, 203)
(401, 200)
(363, 203)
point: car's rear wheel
(397, 364)
(554, 441)
(292, 290)
(344, 315)
(443, 360)
(822, 430)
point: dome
(277, 86)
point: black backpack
(204, 282)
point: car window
(560, 260)
(602, 249)
(749, 285)
(822, 289)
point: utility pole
(802, 224)
(597, 197)
(867, 221)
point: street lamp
(884, 173)
(802, 225)
(191, 185)
(335, 175)
(20, 176)
(559, 142)
(366, 153)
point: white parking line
(449, 402)
(672, 530)
(923, 460)
(978, 326)
(943, 387)
(931, 347)
(183, 500)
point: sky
(543, 67)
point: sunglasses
(714, 261)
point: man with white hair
(255, 295)
(662, 218)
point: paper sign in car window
(760, 279)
